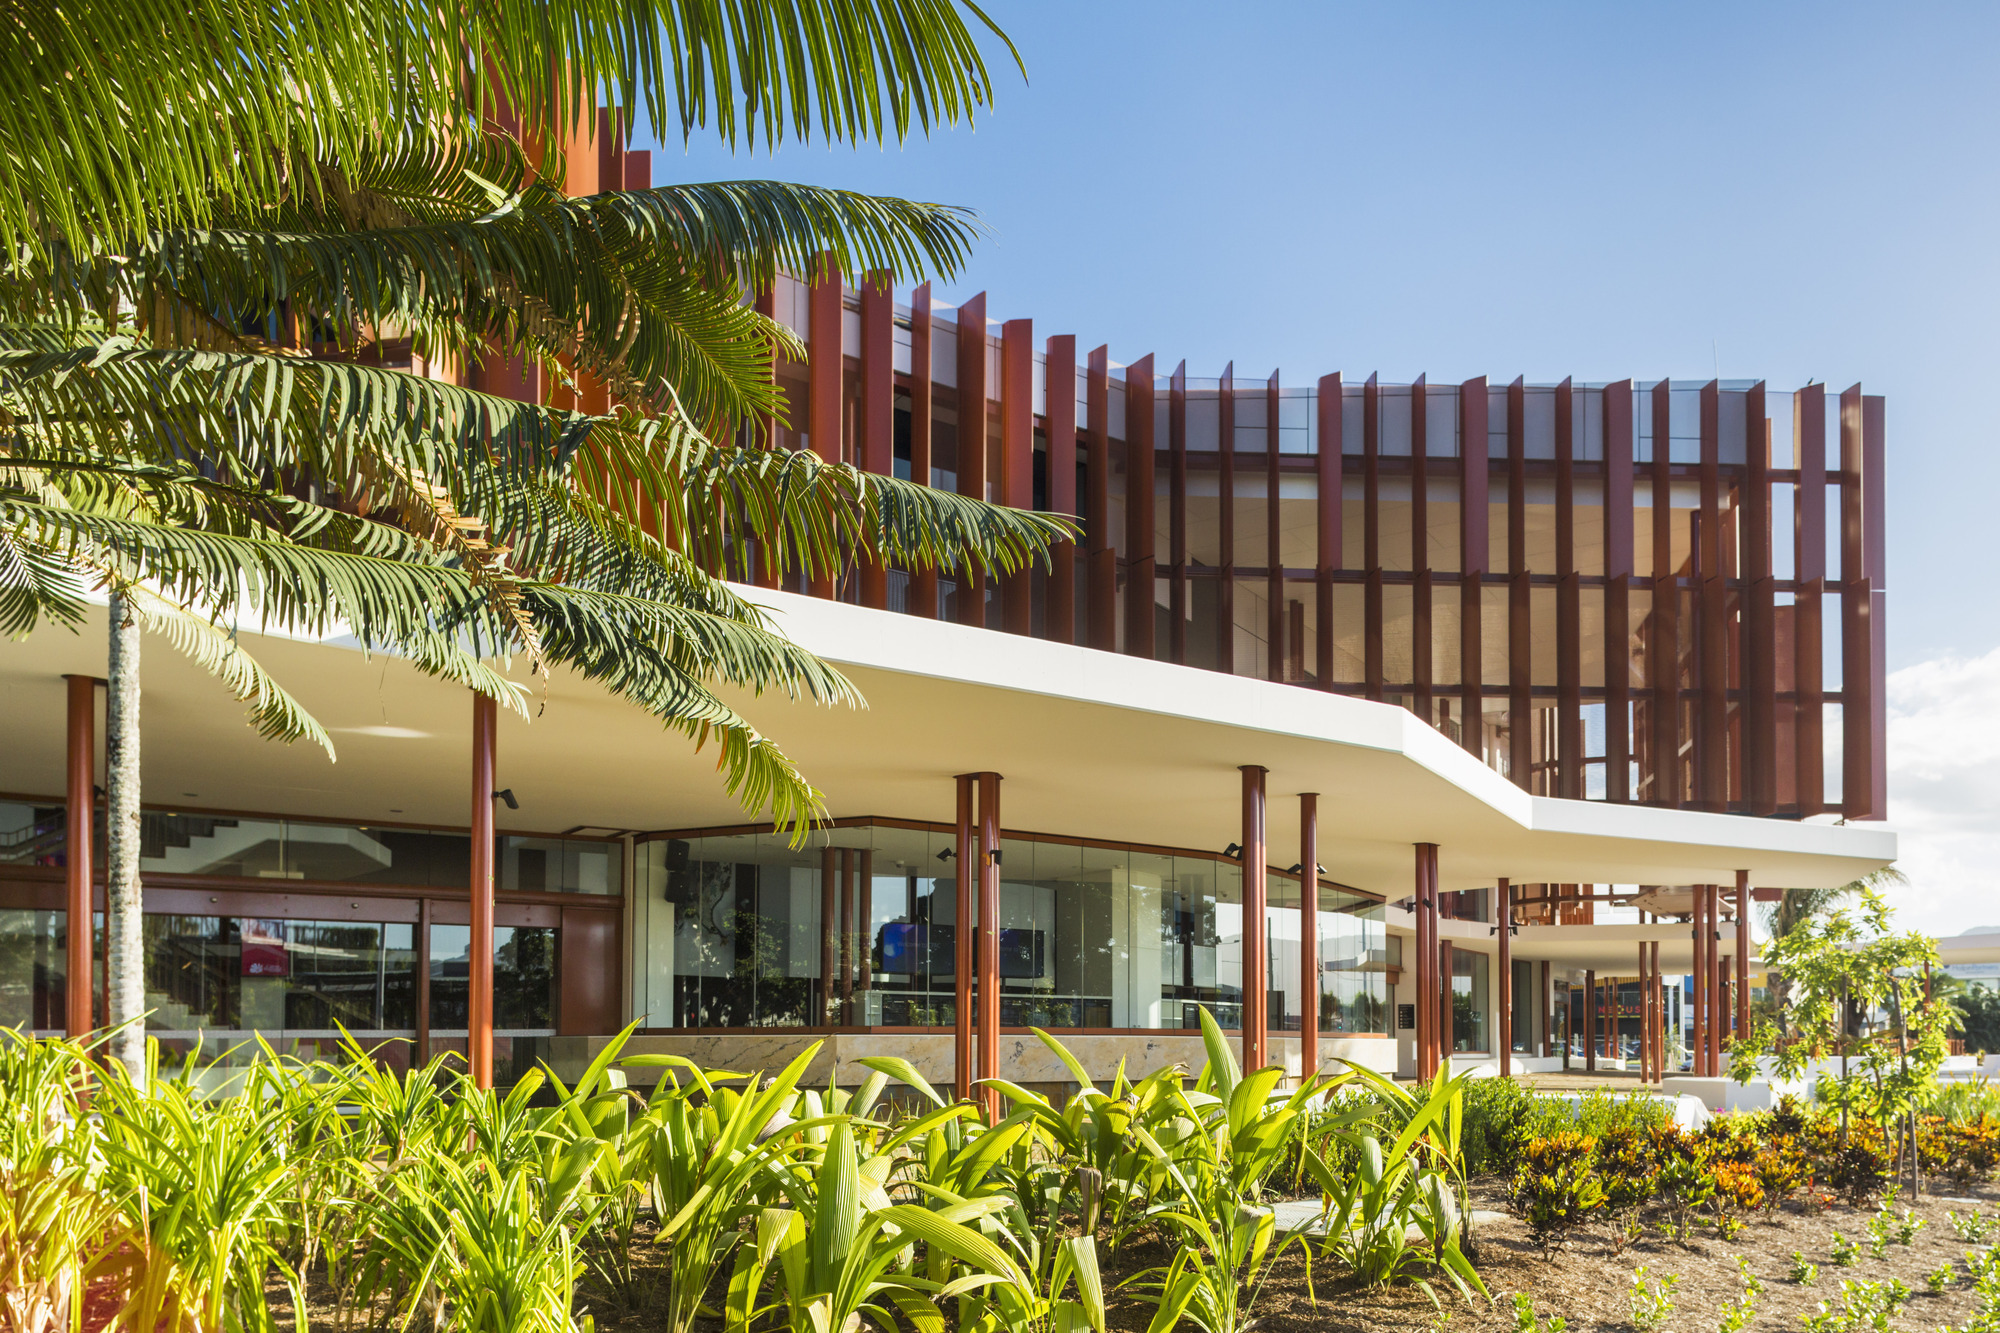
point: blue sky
(1778, 191)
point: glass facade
(734, 931)
(1471, 997)
(33, 969)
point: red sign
(264, 953)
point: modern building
(1564, 655)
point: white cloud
(1944, 791)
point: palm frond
(119, 116)
(275, 713)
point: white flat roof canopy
(1090, 744)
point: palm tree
(1797, 906)
(198, 194)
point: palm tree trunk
(125, 935)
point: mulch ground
(1586, 1284)
(1591, 1286)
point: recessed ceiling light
(187, 793)
(385, 733)
(394, 811)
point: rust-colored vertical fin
(1140, 561)
(1617, 402)
(1663, 622)
(1371, 534)
(1099, 554)
(1569, 605)
(1328, 475)
(1759, 617)
(1474, 561)
(1059, 418)
(1520, 638)
(878, 409)
(923, 598)
(1857, 762)
(1225, 504)
(1712, 637)
(1277, 653)
(1809, 575)
(1874, 708)
(971, 598)
(825, 373)
(1177, 501)
(1420, 552)
(1017, 460)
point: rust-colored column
(1256, 895)
(1447, 1034)
(965, 910)
(1504, 894)
(479, 1009)
(1871, 706)
(989, 940)
(1309, 959)
(1699, 973)
(1725, 980)
(1569, 606)
(1017, 461)
(79, 845)
(864, 928)
(1659, 1012)
(825, 371)
(1059, 416)
(878, 408)
(829, 936)
(1426, 969)
(1590, 1022)
(923, 598)
(1759, 600)
(1432, 986)
(1645, 1020)
(1857, 637)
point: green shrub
(1495, 1111)
(1556, 1191)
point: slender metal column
(966, 913)
(989, 940)
(1504, 894)
(1309, 933)
(1256, 895)
(79, 845)
(1426, 990)
(479, 1013)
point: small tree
(1855, 991)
